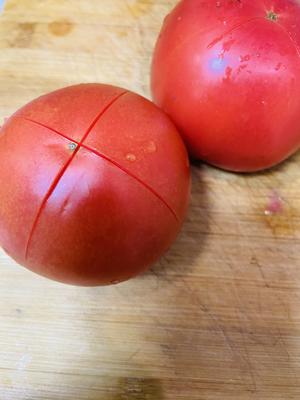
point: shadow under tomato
(201, 329)
(282, 168)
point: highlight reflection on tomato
(228, 73)
(94, 184)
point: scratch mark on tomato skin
(219, 38)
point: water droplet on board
(275, 204)
(23, 362)
(130, 157)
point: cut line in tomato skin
(65, 167)
(84, 211)
(73, 145)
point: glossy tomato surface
(228, 73)
(94, 185)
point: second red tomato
(228, 73)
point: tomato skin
(228, 74)
(94, 187)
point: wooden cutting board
(218, 318)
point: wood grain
(218, 318)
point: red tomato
(228, 73)
(94, 185)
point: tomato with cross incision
(94, 184)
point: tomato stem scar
(72, 146)
(272, 16)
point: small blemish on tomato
(150, 147)
(245, 58)
(221, 54)
(241, 68)
(228, 73)
(130, 157)
(228, 44)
